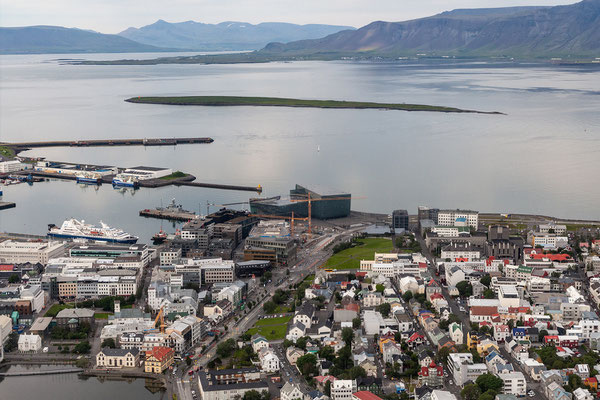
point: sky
(113, 16)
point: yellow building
(472, 340)
(158, 359)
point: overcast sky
(113, 16)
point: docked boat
(89, 179)
(125, 181)
(74, 229)
(159, 237)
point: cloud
(113, 16)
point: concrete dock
(6, 205)
(169, 215)
(43, 372)
(21, 146)
(219, 186)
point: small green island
(217, 101)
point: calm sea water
(542, 157)
(70, 387)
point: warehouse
(143, 173)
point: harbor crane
(160, 316)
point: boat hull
(88, 181)
(102, 239)
(125, 184)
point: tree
(442, 354)
(347, 336)
(226, 348)
(269, 307)
(379, 288)
(542, 334)
(245, 337)
(12, 342)
(287, 343)
(343, 361)
(407, 296)
(13, 278)
(327, 353)
(357, 371)
(82, 347)
(489, 294)
(486, 280)
(252, 395)
(108, 342)
(464, 288)
(301, 343)
(470, 392)
(307, 365)
(489, 395)
(384, 309)
(356, 322)
(188, 361)
(328, 388)
(489, 382)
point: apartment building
(450, 217)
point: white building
(508, 296)
(450, 217)
(170, 255)
(342, 389)
(290, 391)
(11, 166)
(5, 328)
(143, 173)
(15, 252)
(460, 250)
(461, 367)
(30, 342)
(269, 361)
(514, 383)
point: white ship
(75, 229)
(125, 180)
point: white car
(462, 309)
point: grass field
(102, 315)
(7, 152)
(271, 328)
(350, 258)
(286, 102)
(56, 308)
(174, 175)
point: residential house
(259, 342)
(432, 375)
(456, 333)
(342, 389)
(293, 354)
(290, 391)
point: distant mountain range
(516, 31)
(193, 35)
(56, 39)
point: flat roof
(143, 168)
(40, 324)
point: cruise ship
(124, 180)
(75, 229)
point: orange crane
(309, 200)
(292, 219)
(160, 316)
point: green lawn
(56, 308)
(365, 250)
(271, 328)
(273, 321)
(7, 152)
(174, 175)
(102, 315)
(280, 309)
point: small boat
(88, 179)
(159, 237)
(125, 181)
